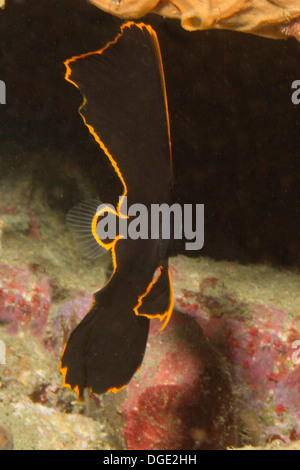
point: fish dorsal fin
(79, 221)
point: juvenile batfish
(125, 109)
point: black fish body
(125, 109)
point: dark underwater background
(235, 131)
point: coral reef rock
(182, 398)
(251, 316)
(227, 377)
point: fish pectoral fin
(79, 221)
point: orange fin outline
(166, 315)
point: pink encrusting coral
(24, 299)
(256, 338)
(182, 398)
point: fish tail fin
(105, 349)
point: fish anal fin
(157, 301)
